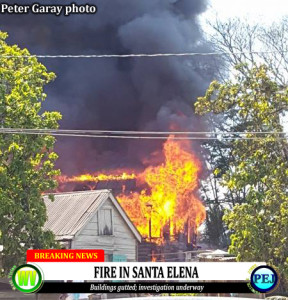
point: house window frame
(112, 223)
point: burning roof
(171, 199)
(165, 198)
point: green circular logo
(27, 278)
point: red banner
(65, 255)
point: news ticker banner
(146, 287)
(154, 271)
(84, 271)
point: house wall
(121, 242)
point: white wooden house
(93, 220)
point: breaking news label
(85, 271)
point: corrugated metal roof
(69, 212)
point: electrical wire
(140, 55)
(137, 137)
(131, 132)
(141, 134)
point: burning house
(157, 189)
(161, 201)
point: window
(105, 222)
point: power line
(131, 132)
(140, 55)
(92, 134)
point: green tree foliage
(259, 224)
(246, 43)
(26, 161)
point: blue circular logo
(264, 279)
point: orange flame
(96, 178)
(172, 198)
(169, 203)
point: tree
(246, 44)
(215, 231)
(218, 157)
(259, 225)
(26, 161)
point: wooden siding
(121, 242)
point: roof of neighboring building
(69, 212)
(217, 254)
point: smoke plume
(118, 94)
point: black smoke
(118, 93)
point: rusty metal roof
(69, 212)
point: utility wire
(137, 55)
(83, 133)
(131, 132)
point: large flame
(167, 199)
(170, 200)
